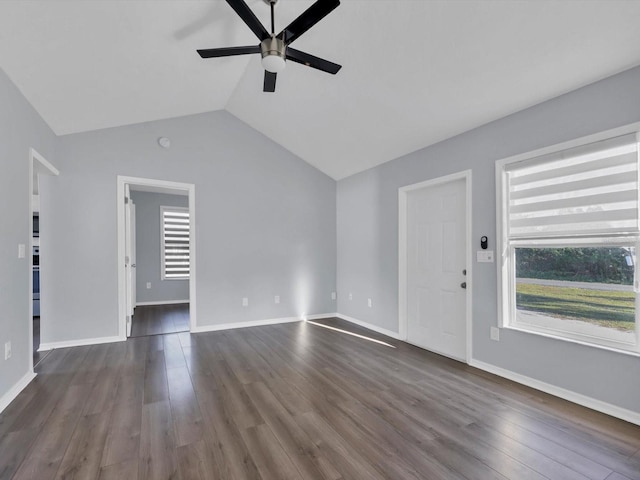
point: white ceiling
(414, 71)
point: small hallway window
(175, 243)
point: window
(175, 243)
(569, 230)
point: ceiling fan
(274, 48)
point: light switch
(276, 299)
(22, 249)
(484, 256)
(245, 302)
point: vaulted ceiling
(414, 71)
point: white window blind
(585, 191)
(175, 242)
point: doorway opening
(156, 253)
(435, 265)
(38, 167)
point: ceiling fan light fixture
(273, 63)
(273, 54)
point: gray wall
(148, 248)
(265, 223)
(367, 219)
(20, 128)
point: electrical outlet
(276, 299)
(369, 303)
(148, 285)
(7, 350)
(334, 295)
(22, 250)
(351, 296)
(245, 302)
(495, 334)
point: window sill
(549, 334)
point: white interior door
(128, 257)
(436, 270)
(133, 258)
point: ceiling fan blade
(269, 81)
(228, 51)
(312, 61)
(308, 19)
(247, 15)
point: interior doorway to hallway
(156, 255)
(38, 167)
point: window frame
(506, 280)
(165, 208)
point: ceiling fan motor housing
(273, 52)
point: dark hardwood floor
(160, 319)
(296, 401)
(37, 356)
(36, 340)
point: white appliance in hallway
(36, 256)
(36, 278)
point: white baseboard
(79, 343)
(585, 401)
(370, 326)
(253, 323)
(14, 391)
(161, 302)
(320, 316)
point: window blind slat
(563, 230)
(599, 199)
(624, 180)
(575, 156)
(629, 214)
(552, 172)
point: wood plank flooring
(160, 319)
(37, 356)
(296, 401)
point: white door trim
(402, 252)
(190, 189)
(48, 169)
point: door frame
(190, 190)
(403, 252)
(46, 168)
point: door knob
(464, 272)
(463, 284)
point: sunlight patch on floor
(352, 334)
